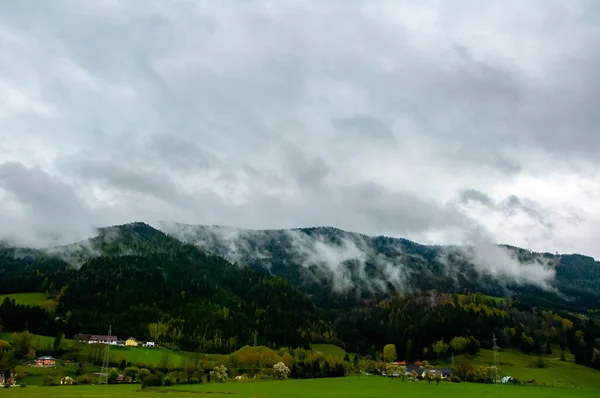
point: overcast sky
(438, 121)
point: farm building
(97, 339)
(45, 362)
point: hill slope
(338, 287)
(150, 285)
(323, 259)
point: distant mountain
(338, 268)
(148, 284)
(323, 259)
(216, 289)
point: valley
(324, 302)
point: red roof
(97, 337)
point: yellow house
(131, 342)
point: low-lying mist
(350, 258)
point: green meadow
(31, 299)
(157, 356)
(38, 341)
(349, 387)
(556, 373)
(329, 349)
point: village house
(97, 339)
(10, 381)
(442, 372)
(45, 362)
(421, 372)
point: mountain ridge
(293, 288)
(493, 268)
(320, 260)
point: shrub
(143, 374)
(262, 376)
(113, 375)
(455, 379)
(219, 374)
(19, 372)
(6, 386)
(85, 379)
(539, 363)
(167, 381)
(48, 381)
(194, 380)
(23, 385)
(152, 381)
(281, 371)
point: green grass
(38, 341)
(556, 373)
(150, 356)
(329, 349)
(31, 299)
(35, 376)
(350, 387)
(494, 298)
(136, 355)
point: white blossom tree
(392, 369)
(281, 370)
(219, 374)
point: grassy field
(151, 356)
(148, 356)
(350, 387)
(38, 341)
(31, 299)
(557, 373)
(329, 349)
(36, 376)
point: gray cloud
(366, 127)
(371, 116)
(476, 196)
(39, 206)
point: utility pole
(496, 360)
(104, 371)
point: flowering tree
(219, 373)
(414, 375)
(392, 369)
(281, 370)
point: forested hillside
(293, 288)
(325, 260)
(150, 285)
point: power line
(104, 371)
(496, 360)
